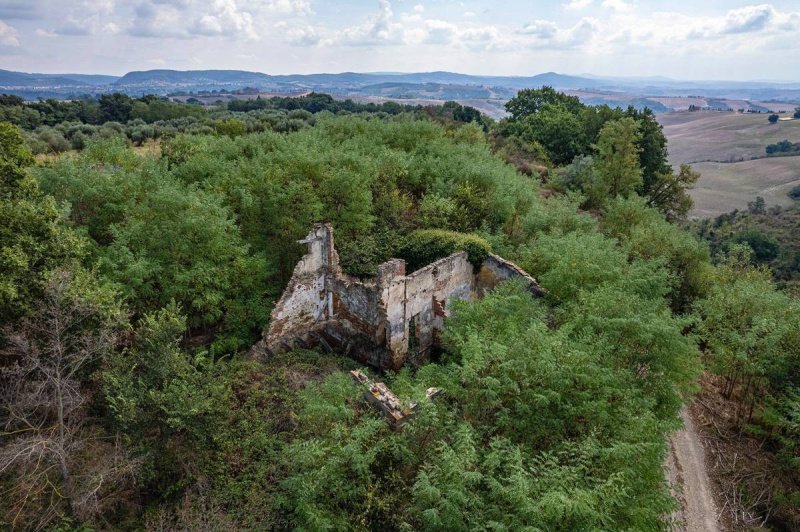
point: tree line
(55, 126)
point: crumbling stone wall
(429, 294)
(381, 321)
(306, 301)
(496, 269)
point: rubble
(384, 400)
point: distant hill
(9, 78)
(90, 79)
(245, 78)
(192, 77)
(657, 93)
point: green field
(722, 147)
(723, 137)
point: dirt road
(686, 472)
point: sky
(682, 39)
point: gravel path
(686, 472)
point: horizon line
(588, 76)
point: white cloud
(380, 28)
(225, 18)
(295, 7)
(44, 33)
(439, 32)
(578, 4)
(617, 5)
(544, 29)
(787, 21)
(87, 18)
(579, 34)
(159, 20)
(748, 19)
(298, 35)
(547, 34)
(620, 35)
(752, 20)
(234, 19)
(384, 29)
(487, 39)
(8, 35)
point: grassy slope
(727, 186)
(715, 136)
(723, 137)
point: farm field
(724, 187)
(722, 136)
(722, 146)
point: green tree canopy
(116, 107)
(528, 102)
(617, 164)
(669, 192)
(32, 240)
(555, 128)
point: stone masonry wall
(378, 321)
(429, 292)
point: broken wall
(429, 292)
(379, 322)
(495, 270)
(306, 301)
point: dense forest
(55, 126)
(134, 282)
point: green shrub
(765, 247)
(231, 127)
(428, 245)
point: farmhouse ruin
(380, 322)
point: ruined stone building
(382, 321)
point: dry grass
(715, 142)
(151, 147)
(745, 473)
(722, 136)
(727, 186)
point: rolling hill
(660, 94)
(10, 78)
(352, 78)
(723, 137)
(728, 149)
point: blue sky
(699, 39)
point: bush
(795, 193)
(425, 246)
(231, 127)
(54, 140)
(765, 247)
(78, 140)
(784, 147)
